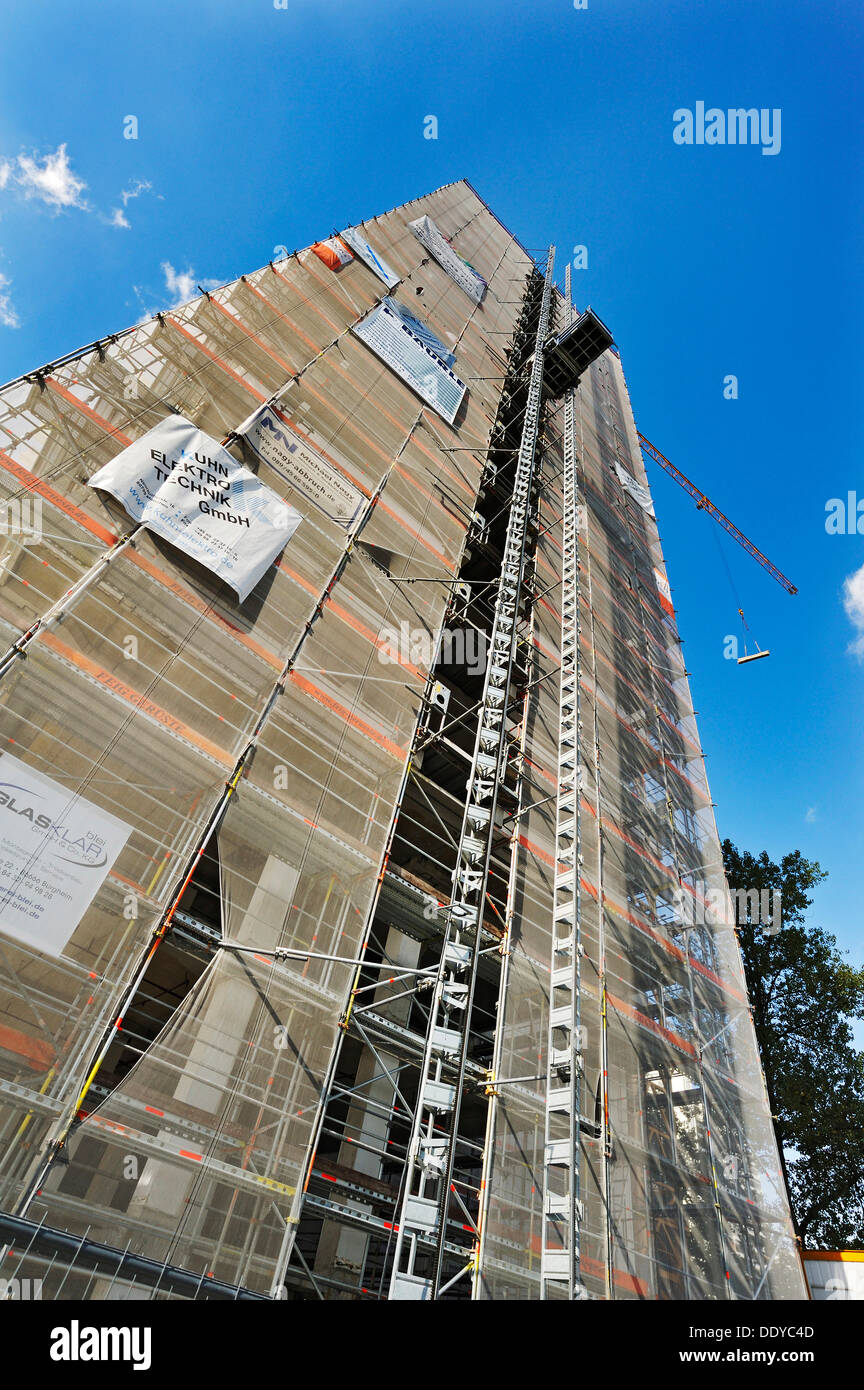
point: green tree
(803, 994)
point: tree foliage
(804, 992)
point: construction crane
(706, 505)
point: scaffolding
(401, 983)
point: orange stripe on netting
(201, 606)
(645, 854)
(213, 358)
(134, 697)
(541, 647)
(130, 882)
(33, 484)
(618, 910)
(400, 425)
(37, 1054)
(596, 694)
(536, 850)
(91, 414)
(586, 643)
(595, 617)
(715, 979)
(637, 849)
(331, 287)
(645, 1022)
(548, 606)
(295, 328)
(345, 617)
(244, 328)
(439, 555)
(619, 1276)
(310, 303)
(354, 720)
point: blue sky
(261, 127)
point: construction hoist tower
(358, 913)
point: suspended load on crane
(751, 656)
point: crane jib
(705, 504)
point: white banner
(301, 465)
(183, 486)
(466, 276)
(56, 850)
(353, 237)
(421, 331)
(637, 491)
(387, 334)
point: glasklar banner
(186, 488)
(56, 850)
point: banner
(637, 491)
(56, 850)
(466, 276)
(389, 336)
(421, 331)
(664, 592)
(353, 237)
(182, 485)
(332, 252)
(301, 465)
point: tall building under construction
(357, 853)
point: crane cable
(738, 603)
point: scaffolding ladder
(562, 1208)
(431, 1153)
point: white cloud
(141, 186)
(181, 285)
(8, 316)
(853, 602)
(811, 815)
(118, 216)
(51, 179)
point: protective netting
(679, 1177)
(142, 696)
(139, 700)
(196, 1158)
